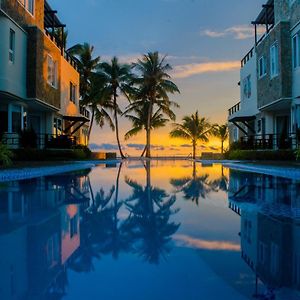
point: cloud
(185, 146)
(238, 32)
(188, 70)
(136, 146)
(187, 241)
(103, 147)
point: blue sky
(205, 39)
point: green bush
(5, 156)
(261, 155)
(85, 149)
(29, 154)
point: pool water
(150, 230)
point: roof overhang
(50, 19)
(266, 16)
(242, 119)
(76, 118)
(278, 105)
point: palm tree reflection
(195, 187)
(149, 222)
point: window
(52, 72)
(12, 46)
(274, 58)
(72, 92)
(291, 2)
(16, 116)
(73, 227)
(262, 69)
(296, 50)
(28, 4)
(247, 87)
(57, 126)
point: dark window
(11, 53)
(72, 92)
(16, 121)
(3, 121)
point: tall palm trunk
(194, 149)
(148, 129)
(222, 147)
(91, 124)
(117, 125)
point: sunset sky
(204, 39)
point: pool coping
(285, 172)
(29, 173)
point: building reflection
(39, 221)
(269, 208)
(54, 224)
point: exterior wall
(249, 101)
(287, 12)
(12, 75)
(18, 13)
(68, 75)
(39, 47)
(279, 87)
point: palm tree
(140, 118)
(91, 87)
(154, 85)
(221, 131)
(194, 187)
(193, 128)
(87, 65)
(118, 82)
(99, 103)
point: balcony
(84, 112)
(270, 142)
(247, 57)
(236, 108)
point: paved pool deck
(289, 170)
(61, 167)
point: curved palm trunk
(222, 147)
(117, 125)
(148, 129)
(144, 151)
(148, 187)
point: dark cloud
(136, 146)
(108, 147)
(186, 146)
(213, 148)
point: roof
(51, 19)
(243, 119)
(76, 118)
(266, 16)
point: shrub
(297, 154)
(85, 149)
(5, 156)
(261, 155)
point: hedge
(286, 155)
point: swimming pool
(150, 230)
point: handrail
(234, 109)
(247, 57)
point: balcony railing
(49, 141)
(234, 109)
(247, 57)
(84, 112)
(270, 141)
(69, 58)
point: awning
(76, 118)
(242, 119)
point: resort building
(268, 114)
(39, 81)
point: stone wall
(20, 15)
(39, 47)
(272, 89)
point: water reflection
(149, 222)
(270, 230)
(59, 223)
(198, 187)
